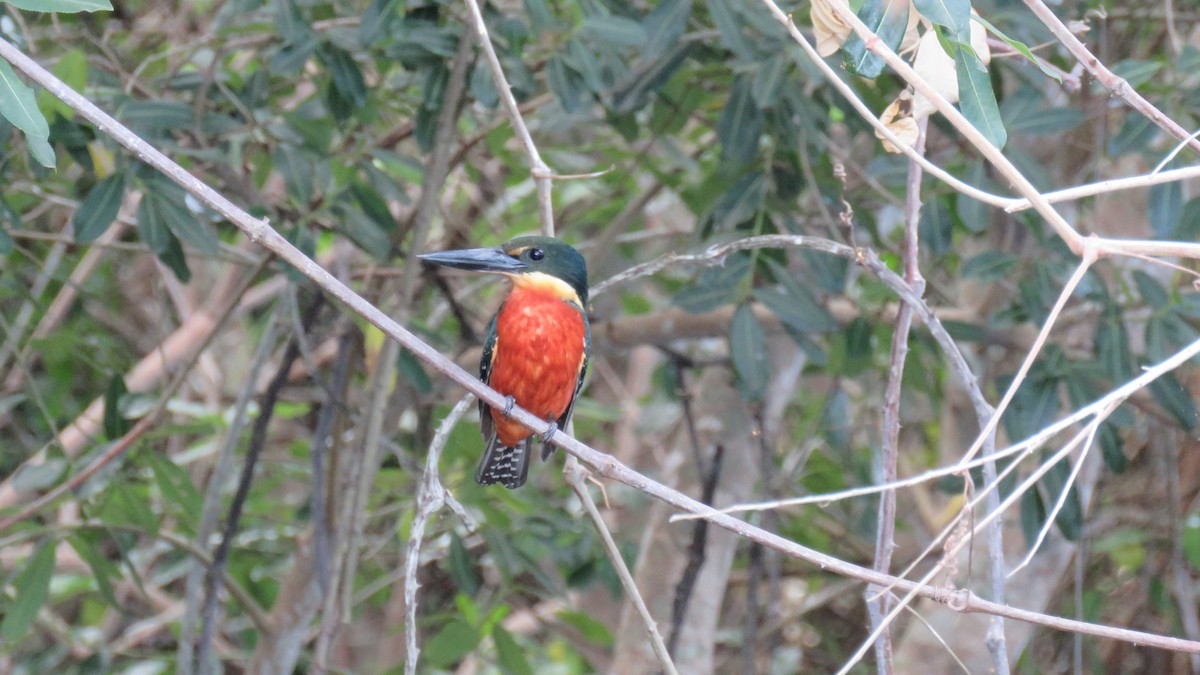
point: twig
(542, 176)
(601, 463)
(576, 477)
(1089, 254)
(258, 438)
(890, 450)
(221, 471)
(323, 485)
(687, 580)
(1109, 80)
(431, 496)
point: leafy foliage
(324, 119)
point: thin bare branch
(431, 496)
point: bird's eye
(536, 254)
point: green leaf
(591, 628)
(566, 84)
(6, 242)
(715, 287)
(1112, 346)
(175, 260)
(63, 6)
(1034, 406)
(1070, 515)
(1151, 291)
(1112, 448)
(1135, 72)
(454, 641)
(33, 588)
(730, 28)
(1023, 49)
(1033, 515)
(175, 484)
(413, 371)
(103, 570)
(1043, 120)
(115, 425)
(19, 106)
(633, 92)
(888, 19)
(664, 25)
(165, 201)
(377, 20)
(1175, 399)
(1191, 540)
(935, 227)
(952, 14)
(1165, 206)
(768, 79)
(462, 567)
(72, 69)
(977, 100)
(615, 30)
(989, 265)
(748, 348)
(740, 125)
(296, 167)
(857, 344)
(510, 654)
(347, 76)
(129, 505)
(34, 477)
(806, 314)
(152, 227)
(737, 204)
(974, 214)
(99, 209)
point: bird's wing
(486, 361)
(548, 449)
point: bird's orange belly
(538, 353)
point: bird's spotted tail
(505, 465)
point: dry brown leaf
(937, 67)
(898, 118)
(828, 28)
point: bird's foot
(550, 432)
(509, 402)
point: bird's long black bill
(476, 260)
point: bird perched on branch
(536, 349)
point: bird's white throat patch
(545, 283)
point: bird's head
(544, 263)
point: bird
(536, 348)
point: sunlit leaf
(888, 19)
(953, 14)
(510, 654)
(977, 100)
(454, 641)
(19, 106)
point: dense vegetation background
(144, 337)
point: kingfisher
(536, 348)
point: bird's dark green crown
(523, 255)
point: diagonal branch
(542, 176)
